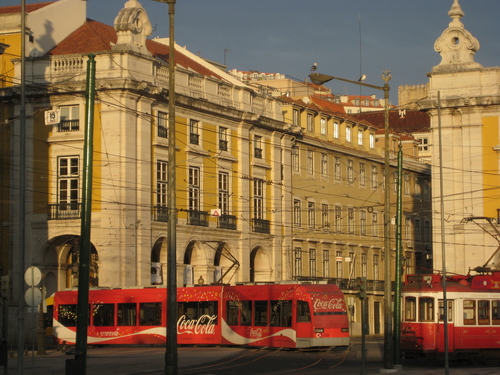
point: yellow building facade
(337, 216)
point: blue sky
(343, 36)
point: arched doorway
(226, 265)
(260, 265)
(156, 265)
(73, 264)
(196, 264)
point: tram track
(312, 362)
(225, 364)
(322, 358)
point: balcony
(222, 145)
(258, 153)
(162, 132)
(194, 139)
(261, 226)
(160, 213)
(199, 218)
(227, 222)
(69, 126)
(65, 211)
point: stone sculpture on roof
(456, 45)
(132, 27)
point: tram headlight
(345, 330)
(319, 330)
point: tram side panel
(473, 315)
(260, 315)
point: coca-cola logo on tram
(331, 304)
(204, 325)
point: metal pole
(84, 266)
(41, 331)
(399, 250)
(171, 356)
(441, 192)
(388, 344)
(22, 195)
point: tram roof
(488, 282)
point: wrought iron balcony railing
(65, 211)
(69, 126)
(199, 218)
(222, 145)
(194, 139)
(261, 226)
(160, 213)
(227, 222)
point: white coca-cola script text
(204, 325)
(332, 304)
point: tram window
(127, 313)
(260, 313)
(232, 313)
(303, 312)
(150, 314)
(495, 310)
(410, 309)
(441, 311)
(483, 312)
(103, 314)
(469, 312)
(246, 313)
(195, 310)
(426, 309)
(281, 313)
(67, 315)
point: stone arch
(197, 264)
(195, 254)
(260, 265)
(226, 265)
(159, 253)
(61, 261)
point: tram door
(440, 340)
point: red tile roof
(404, 121)
(332, 106)
(29, 8)
(95, 36)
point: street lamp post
(171, 354)
(320, 79)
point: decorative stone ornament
(132, 27)
(456, 45)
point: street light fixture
(320, 79)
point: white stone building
(464, 101)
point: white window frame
(323, 123)
(336, 130)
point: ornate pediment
(132, 27)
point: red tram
(473, 316)
(278, 315)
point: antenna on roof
(361, 75)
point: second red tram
(473, 309)
(278, 315)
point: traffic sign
(33, 297)
(216, 212)
(33, 276)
